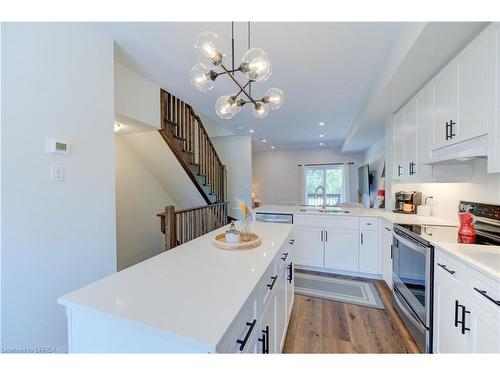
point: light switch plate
(57, 173)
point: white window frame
(324, 168)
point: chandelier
(255, 67)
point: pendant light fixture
(255, 67)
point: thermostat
(57, 146)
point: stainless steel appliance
(410, 199)
(274, 218)
(412, 259)
(487, 225)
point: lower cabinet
(268, 329)
(368, 252)
(466, 308)
(342, 249)
(309, 246)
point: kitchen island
(193, 298)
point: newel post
(170, 230)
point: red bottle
(466, 232)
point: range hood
(462, 151)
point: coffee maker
(406, 202)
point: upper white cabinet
(445, 107)
(455, 116)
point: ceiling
(326, 70)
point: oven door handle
(411, 244)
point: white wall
(276, 175)
(375, 158)
(235, 153)
(56, 236)
(139, 197)
(137, 100)
(483, 187)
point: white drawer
(450, 267)
(347, 222)
(244, 325)
(368, 223)
(485, 293)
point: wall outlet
(57, 173)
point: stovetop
(443, 233)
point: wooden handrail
(180, 124)
(187, 224)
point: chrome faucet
(316, 193)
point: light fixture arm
(242, 89)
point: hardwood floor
(323, 326)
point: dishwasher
(274, 218)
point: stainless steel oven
(412, 260)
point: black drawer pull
(387, 229)
(485, 294)
(443, 266)
(247, 336)
(291, 242)
(464, 311)
(265, 340)
(273, 278)
(456, 313)
(284, 256)
(290, 272)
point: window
(323, 185)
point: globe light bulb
(260, 109)
(274, 97)
(201, 79)
(256, 65)
(209, 49)
(226, 107)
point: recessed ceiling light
(321, 144)
(272, 147)
(321, 135)
(264, 140)
(321, 123)
(251, 131)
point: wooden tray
(220, 242)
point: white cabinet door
(386, 233)
(342, 249)
(281, 309)
(484, 334)
(473, 80)
(493, 109)
(398, 139)
(410, 138)
(308, 246)
(268, 327)
(425, 125)
(445, 106)
(368, 252)
(448, 304)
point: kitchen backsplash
(483, 188)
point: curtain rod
(313, 165)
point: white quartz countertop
(367, 212)
(483, 258)
(194, 290)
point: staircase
(184, 133)
(186, 136)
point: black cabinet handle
(449, 130)
(273, 278)
(326, 235)
(412, 168)
(443, 266)
(456, 313)
(485, 295)
(291, 242)
(265, 340)
(399, 170)
(392, 247)
(247, 336)
(322, 235)
(361, 238)
(284, 256)
(290, 272)
(464, 311)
